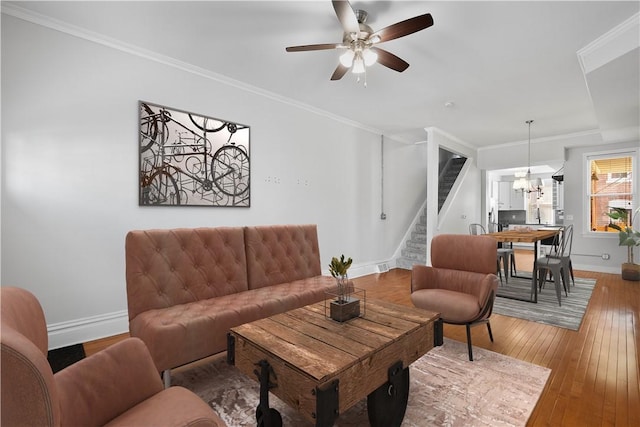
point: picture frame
(188, 159)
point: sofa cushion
(281, 253)
(171, 267)
(186, 332)
(454, 307)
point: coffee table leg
(265, 416)
(387, 404)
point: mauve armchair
(461, 284)
(117, 386)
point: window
(610, 185)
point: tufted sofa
(186, 287)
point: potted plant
(629, 238)
(344, 307)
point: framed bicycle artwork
(188, 159)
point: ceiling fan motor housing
(363, 35)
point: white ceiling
(499, 63)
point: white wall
(70, 172)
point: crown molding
(543, 139)
(611, 45)
(75, 31)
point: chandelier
(523, 179)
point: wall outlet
(569, 217)
(606, 256)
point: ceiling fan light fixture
(358, 65)
(346, 59)
(370, 57)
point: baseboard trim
(78, 331)
(597, 268)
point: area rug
(547, 310)
(446, 389)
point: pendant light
(523, 180)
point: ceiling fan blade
(403, 28)
(307, 47)
(340, 71)
(390, 60)
(346, 16)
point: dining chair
(556, 267)
(563, 252)
(505, 252)
(505, 256)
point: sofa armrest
(100, 387)
(423, 277)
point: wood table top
(307, 339)
(523, 236)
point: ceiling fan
(359, 40)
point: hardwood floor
(594, 371)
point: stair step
(409, 254)
(417, 245)
(419, 237)
(404, 264)
(407, 264)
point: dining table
(527, 235)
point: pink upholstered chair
(117, 386)
(461, 284)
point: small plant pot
(344, 310)
(631, 271)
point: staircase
(447, 178)
(415, 249)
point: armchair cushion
(106, 384)
(454, 307)
(185, 407)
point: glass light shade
(520, 184)
(358, 65)
(370, 57)
(346, 59)
(539, 183)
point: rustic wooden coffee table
(322, 367)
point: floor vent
(383, 268)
